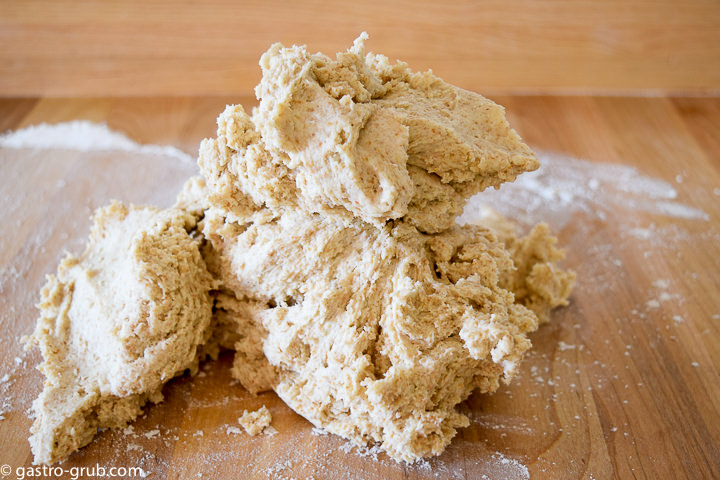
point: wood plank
(13, 111)
(701, 118)
(162, 47)
(623, 383)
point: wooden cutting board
(623, 383)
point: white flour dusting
(564, 186)
(83, 136)
(514, 468)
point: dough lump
(376, 334)
(116, 324)
(331, 225)
(360, 137)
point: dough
(116, 324)
(255, 422)
(376, 334)
(358, 136)
(331, 223)
(250, 366)
(330, 263)
(536, 280)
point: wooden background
(622, 384)
(186, 47)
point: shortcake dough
(377, 334)
(322, 236)
(117, 323)
(359, 136)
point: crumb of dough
(359, 136)
(116, 324)
(257, 421)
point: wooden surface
(163, 47)
(623, 383)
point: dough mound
(376, 334)
(321, 246)
(361, 137)
(116, 324)
(331, 228)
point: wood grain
(162, 47)
(623, 383)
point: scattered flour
(84, 136)
(650, 304)
(562, 346)
(564, 186)
(515, 469)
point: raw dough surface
(257, 421)
(116, 324)
(359, 136)
(332, 225)
(376, 334)
(329, 258)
